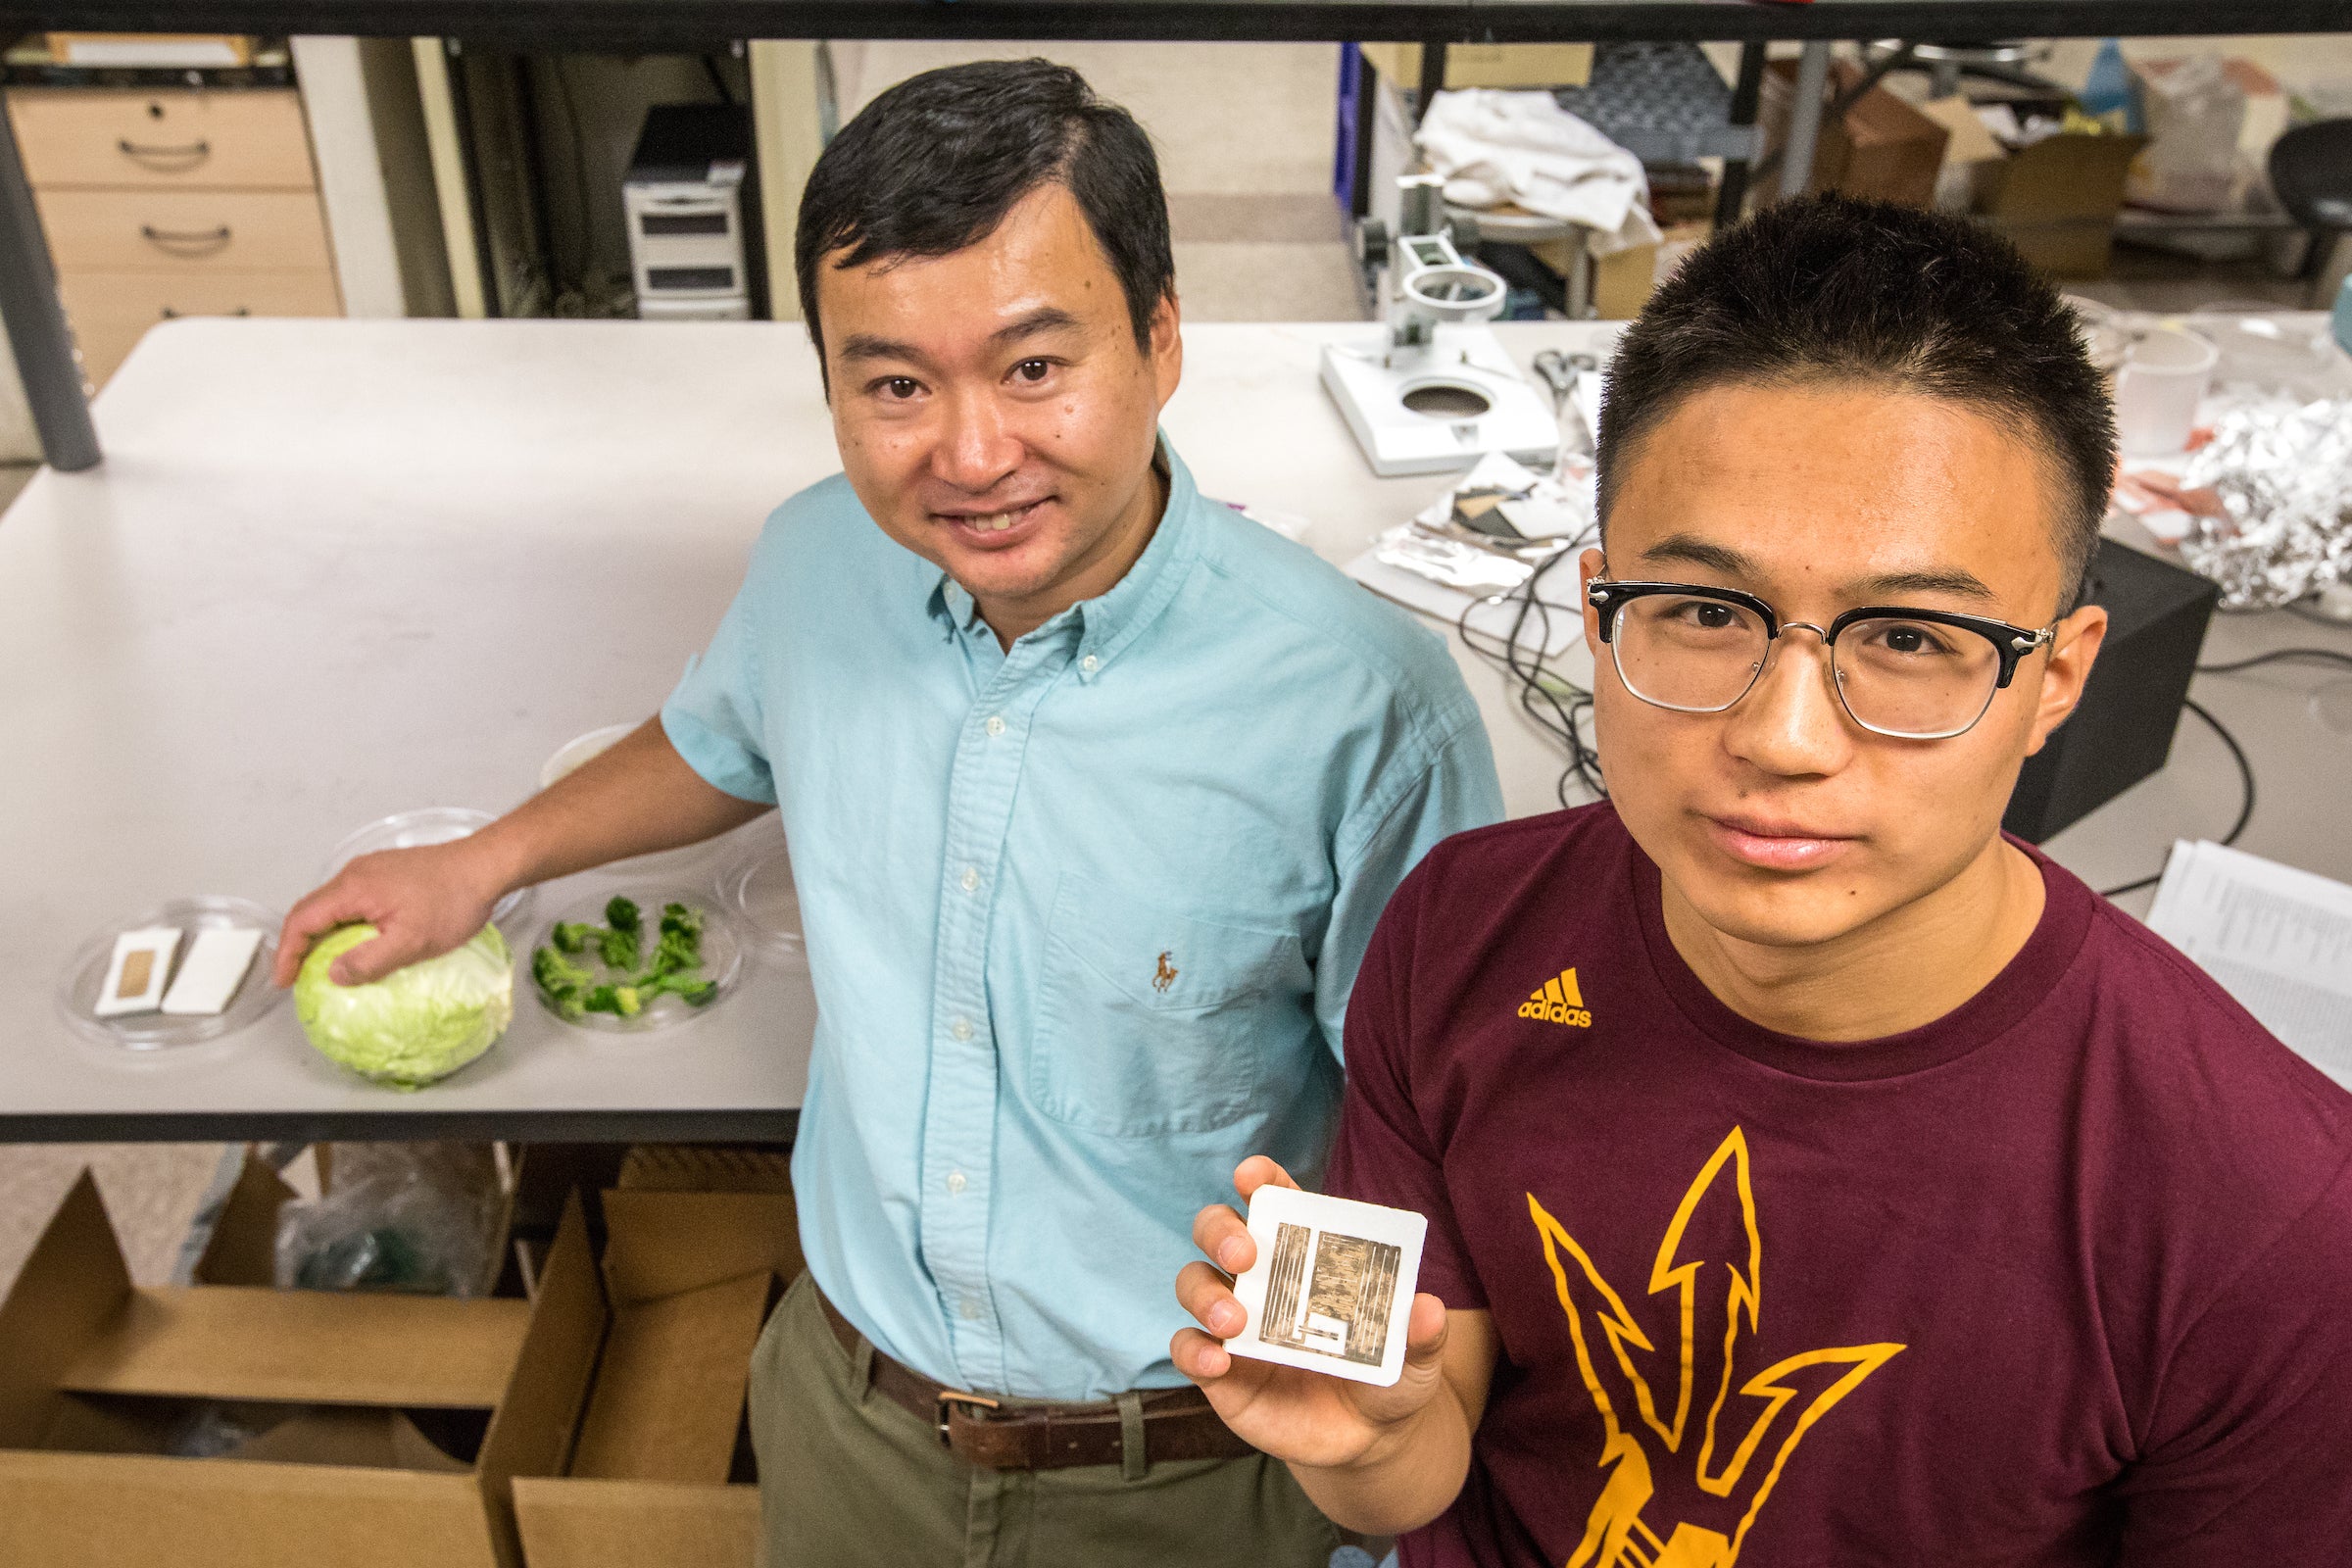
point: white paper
(1563, 629)
(1332, 1290)
(215, 965)
(2278, 939)
(143, 960)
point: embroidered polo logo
(1167, 975)
(1559, 1002)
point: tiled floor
(151, 1191)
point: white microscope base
(1397, 440)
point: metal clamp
(949, 1399)
(166, 160)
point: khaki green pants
(847, 1477)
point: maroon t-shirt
(2062, 1278)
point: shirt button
(962, 1029)
(971, 1310)
(971, 878)
(1089, 664)
(996, 724)
(956, 1181)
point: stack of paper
(2279, 940)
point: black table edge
(402, 1126)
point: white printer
(690, 249)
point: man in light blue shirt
(1095, 790)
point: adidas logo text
(1559, 1002)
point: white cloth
(1495, 147)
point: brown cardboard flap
(68, 1510)
(75, 1280)
(530, 1435)
(380, 1439)
(637, 1523)
(670, 1390)
(2068, 176)
(662, 1243)
(243, 1250)
(304, 1347)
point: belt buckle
(949, 1399)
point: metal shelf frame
(43, 348)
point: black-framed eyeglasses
(1915, 675)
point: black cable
(2278, 655)
(1556, 713)
(2245, 772)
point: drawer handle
(167, 159)
(180, 242)
(171, 314)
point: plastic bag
(2194, 112)
(420, 1218)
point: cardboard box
(2058, 199)
(1882, 148)
(1487, 64)
(361, 1431)
(659, 1474)
(705, 1168)
(242, 1249)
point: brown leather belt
(1175, 1423)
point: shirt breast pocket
(1150, 1021)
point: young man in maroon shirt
(1814, 1175)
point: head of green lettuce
(416, 1024)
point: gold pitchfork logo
(1694, 1440)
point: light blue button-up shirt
(1082, 915)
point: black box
(2122, 730)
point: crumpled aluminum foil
(2284, 472)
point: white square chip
(1333, 1285)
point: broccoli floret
(693, 989)
(676, 951)
(621, 915)
(677, 918)
(573, 936)
(554, 972)
(559, 980)
(623, 1002)
(618, 948)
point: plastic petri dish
(84, 975)
(756, 888)
(411, 830)
(569, 757)
(722, 957)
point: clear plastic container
(2158, 389)
(723, 951)
(411, 830)
(569, 757)
(84, 977)
(756, 888)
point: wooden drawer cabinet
(113, 311)
(179, 203)
(237, 140)
(184, 230)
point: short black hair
(1828, 289)
(934, 164)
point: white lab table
(335, 570)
